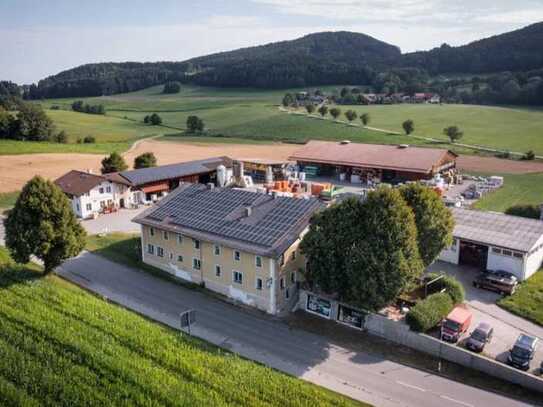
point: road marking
(456, 401)
(411, 386)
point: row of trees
(116, 163)
(368, 252)
(81, 107)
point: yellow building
(241, 244)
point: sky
(42, 38)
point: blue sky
(42, 38)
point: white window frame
(257, 285)
(218, 270)
(108, 189)
(256, 262)
(180, 258)
(151, 231)
(234, 273)
(180, 239)
(150, 248)
(217, 249)
(196, 244)
(234, 255)
(159, 251)
(89, 207)
(196, 262)
(165, 235)
(101, 190)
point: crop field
(60, 346)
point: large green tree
(434, 221)
(145, 160)
(33, 124)
(335, 112)
(453, 133)
(351, 115)
(365, 118)
(408, 126)
(195, 124)
(42, 224)
(113, 163)
(364, 252)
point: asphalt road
(363, 376)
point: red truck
(456, 323)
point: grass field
(253, 114)
(527, 301)
(60, 346)
(7, 200)
(518, 189)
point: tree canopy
(31, 123)
(366, 253)
(145, 160)
(453, 133)
(195, 124)
(434, 221)
(113, 163)
(323, 110)
(172, 87)
(365, 118)
(335, 112)
(351, 115)
(42, 224)
(408, 126)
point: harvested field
(15, 170)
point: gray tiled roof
(497, 229)
(172, 171)
(218, 215)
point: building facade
(246, 250)
(494, 241)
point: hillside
(518, 50)
(313, 60)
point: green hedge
(452, 286)
(427, 313)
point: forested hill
(520, 50)
(316, 59)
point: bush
(530, 155)
(89, 140)
(55, 107)
(452, 286)
(60, 137)
(427, 313)
(526, 211)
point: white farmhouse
(93, 194)
(495, 241)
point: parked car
(480, 337)
(456, 323)
(522, 352)
(500, 281)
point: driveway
(120, 221)
(507, 326)
(363, 376)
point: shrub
(429, 312)
(55, 107)
(60, 137)
(526, 211)
(530, 155)
(89, 140)
(452, 286)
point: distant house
(93, 194)
(241, 244)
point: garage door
(473, 254)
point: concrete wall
(510, 264)
(399, 332)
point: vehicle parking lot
(507, 327)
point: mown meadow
(60, 346)
(254, 115)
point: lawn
(7, 199)
(60, 346)
(527, 301)
(517, 189)
(253, 114)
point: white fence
(399, 332)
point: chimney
(247, 211)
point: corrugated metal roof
(218, 215)
(172, 171)
(391, 157)
(497, 229)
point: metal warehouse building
(495, 241)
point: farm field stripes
(62, 346)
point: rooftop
(220, 215)
(78, 183)
(497, 229)
(390, 157)
(165, 172)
